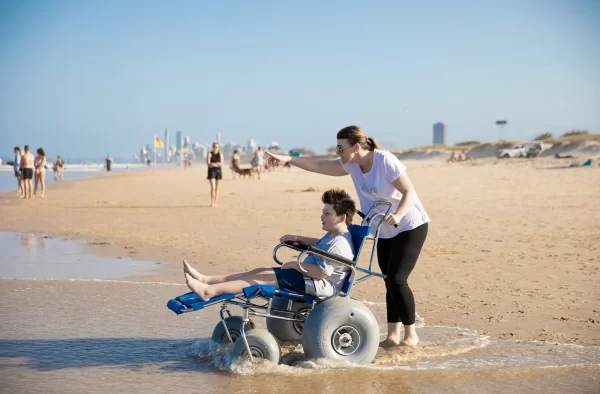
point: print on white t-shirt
(376, 185)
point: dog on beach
(242, 172)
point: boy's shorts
(290, 280)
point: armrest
(329, 256)
(296, 245)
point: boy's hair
(341, 202)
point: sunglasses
(340, 149)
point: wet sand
(513, 249)
(116, 336)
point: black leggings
(397, 257)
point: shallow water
(68, 336)
(35, 256)
(8, 181)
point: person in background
(258, 162)
(108, 164)
(17, 168)
(214, 161)
(40, 172)
(57, 167)
(27, 171)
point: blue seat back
(359, 234)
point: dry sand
(513, 249)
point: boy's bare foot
(188, 269)
(197, 287)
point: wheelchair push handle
(362, 215)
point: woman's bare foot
(410, 341)
(197, 287)
(188, 269)
(388, 343)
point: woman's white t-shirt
(376, 185)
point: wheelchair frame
(251, 309)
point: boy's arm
(308, 241)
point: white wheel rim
(346, 340)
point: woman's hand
(288, 238)
(392, 219)
(273, 160)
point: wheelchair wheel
(342, 329)
(262, 345)
(285, 330)
(234, 325)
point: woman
(379, 175)
(214, 160)
(258, 162)
(39, 172)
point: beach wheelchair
(338, 327)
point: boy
(323, 278)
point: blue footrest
(190, 301)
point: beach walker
(338, 327)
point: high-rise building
(178, 141)
(251, 147)
(219, 138)
(166, 143)
(440, 133)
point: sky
(89, 78)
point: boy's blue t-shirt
(341, 245)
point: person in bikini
(40, 172)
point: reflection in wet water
(34, 256)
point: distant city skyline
(85, 79)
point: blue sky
(87, 78)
